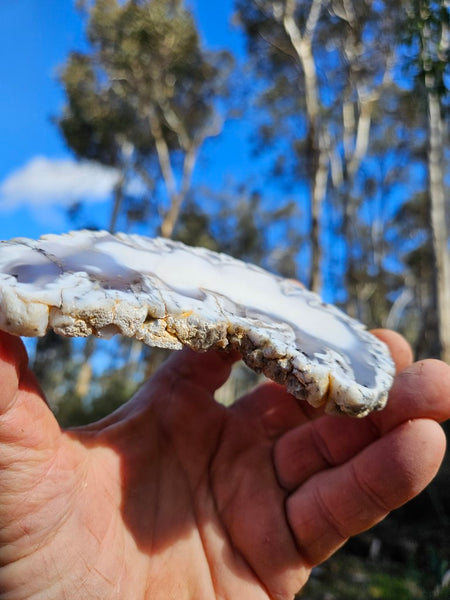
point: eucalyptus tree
(143, 99)
(422, 309)
(326, 70)
(428, 41)
(338, 121)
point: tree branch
(118, 194)
(362, 134)
(175, 124)
(171, 217)
(439, 219)
(303, 48)
(163, 154)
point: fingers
(25, 419)
(420, 391)
(279, 412)
(13, 366)
(338, 503)
(400, 349)
(274, 409)
(348, 474)
(206, 370)
(188, 376)
(318, 445)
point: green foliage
(143, 98)
(195, 227)
(351, 576)
(149, 54)
(426, 36)
(55, 367)
(114, 389)
(146, 60)
(246, 226)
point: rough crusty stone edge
(173, 332)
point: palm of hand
(175, 496)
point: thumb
(26, 422)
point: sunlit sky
(35, 185)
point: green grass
(349, 577)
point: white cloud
(45, 182)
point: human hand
(174, 496)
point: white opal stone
(169, 295)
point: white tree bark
(176, 193)
(439, 210)
(302, 45)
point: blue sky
(35, 186)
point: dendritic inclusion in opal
(169, 295)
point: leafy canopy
(146, 75)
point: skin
(176, 497)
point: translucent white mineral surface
(169, 295)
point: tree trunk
(118, 199)
(176, 193)
(318, 197)
(318, 150)
(438, 219)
